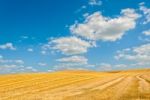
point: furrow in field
(31, 85)
(22, 81)
(25, 78)
(58, 92)
(75, 89)
(6, 79)
(44, 87)
(29, 81)
(132, 85)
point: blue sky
(50, 35)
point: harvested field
(77, 85)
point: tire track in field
(108, 84)
(144, 86)
(77, 88)
(146, 77)
(136, 89)
(59, 94)
(97, 93)
(122, 89)
(111, 92)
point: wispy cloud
(95, 2)
(147, 32)
(146, 12)
(74, 59)
(42, 64)
(139, 55)
(7, 46)
(30, 50)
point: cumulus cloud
(146, 12)
(74, 59)
(69, 45)
(7, 46)
(99, 27)
(139, 55)
(147, 32)
(95, 2)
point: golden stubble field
(77, 85)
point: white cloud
(7, 46)
(74, 59)
(147, 32)
(95, 2)
(69, 45)
(30, 50)
(99, 27)
(137, 55)
(146, 12)
(42, 64)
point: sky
(52, 35)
